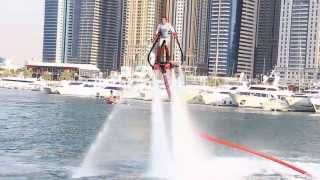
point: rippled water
(47, 137)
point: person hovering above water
(164, 31)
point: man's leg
(168, 58)
(167, 54)
(158, 56)
(159, 50)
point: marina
(266, 96)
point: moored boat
(18, 83)
(258, 96)
(300, 102)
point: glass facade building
(223, 34)
(247, 37)
(84, 32)
(231, 37)
(267, 39)
(54, 31)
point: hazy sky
(21, 24)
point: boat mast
(300, 58)
(217, 45)
(264, 66)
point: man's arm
(158, 29)
(174, 33)
(156, 34)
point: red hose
(246, 149)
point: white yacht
(300, 102)
(79, 88)
(262, 96)
(313, 96)
(50, 87)
(221, 96)
(19, 83)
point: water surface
(47, 136)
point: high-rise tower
(299, 42)
(223, 37)
(247, 37)
(267, 38)
(142, 19)
(54, 31)
(231, 37)
(85, 32)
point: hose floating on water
(217, 140)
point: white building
(299, 42)
(179, 23)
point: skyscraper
(202, 34)
(231, 37)
(298, 52)
(189, 39)
(90, 31)
(178, 21)
(142, 19)
(267, 38)
(54, 31)
(123, 34)
(223, 36)
(112, 33)
(73, 27)
(186, 17)
(247, 38)
(86, 32)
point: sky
(21, 29)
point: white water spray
(161, 162)
(188, 154)
(89, 166)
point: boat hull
(300, 104)
(316, 104)
(249, 101)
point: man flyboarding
(161, 41)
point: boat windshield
(17, 80)
(257, 88)
(114, 88)
(271, 89)
(88, 85)
(75, 83)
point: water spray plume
(188, 153)
(89, 165)
(160, 163)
